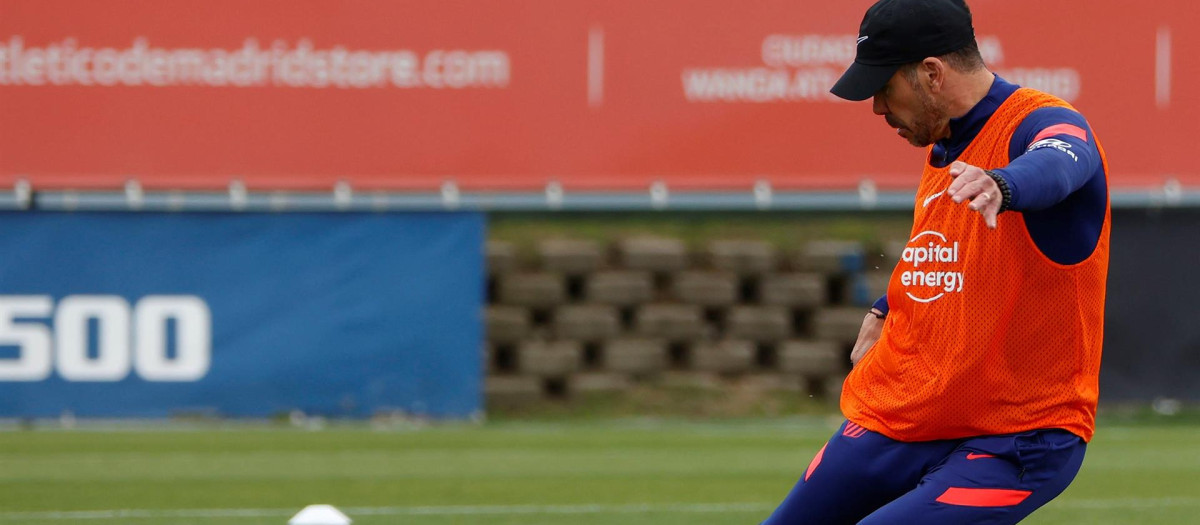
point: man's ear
(932, 73)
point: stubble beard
(928, 120)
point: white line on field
(1126, 503)
(478, 510)
(566, 509)
(450, 510)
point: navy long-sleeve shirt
(1055, 174)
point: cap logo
(862, 39)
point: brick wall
(583, 316)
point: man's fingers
(958, 167)
(987, 205)
(958, 184)
(969, 189)
(979, 201)
(963, 174)
(972, 184)
(982, 201)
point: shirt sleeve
(1053, 154)
(881, 304)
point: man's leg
(855, 473)
(990, 480)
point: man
(974, 389)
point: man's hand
(971, 183)
(867, 335)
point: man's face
(909, 107)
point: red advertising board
(593, 94)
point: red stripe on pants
(983, 497)
(816, 461)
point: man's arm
(871, 329)
(1053, 155)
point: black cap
(898, 32)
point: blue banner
(156, 314)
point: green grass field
(628, 472)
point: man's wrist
(1005, 190)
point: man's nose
(879, 106)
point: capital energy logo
(931, 256)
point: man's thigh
(856, 472)
(990, 480)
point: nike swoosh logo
(973, 455)
(930, 198)
(862, 39)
